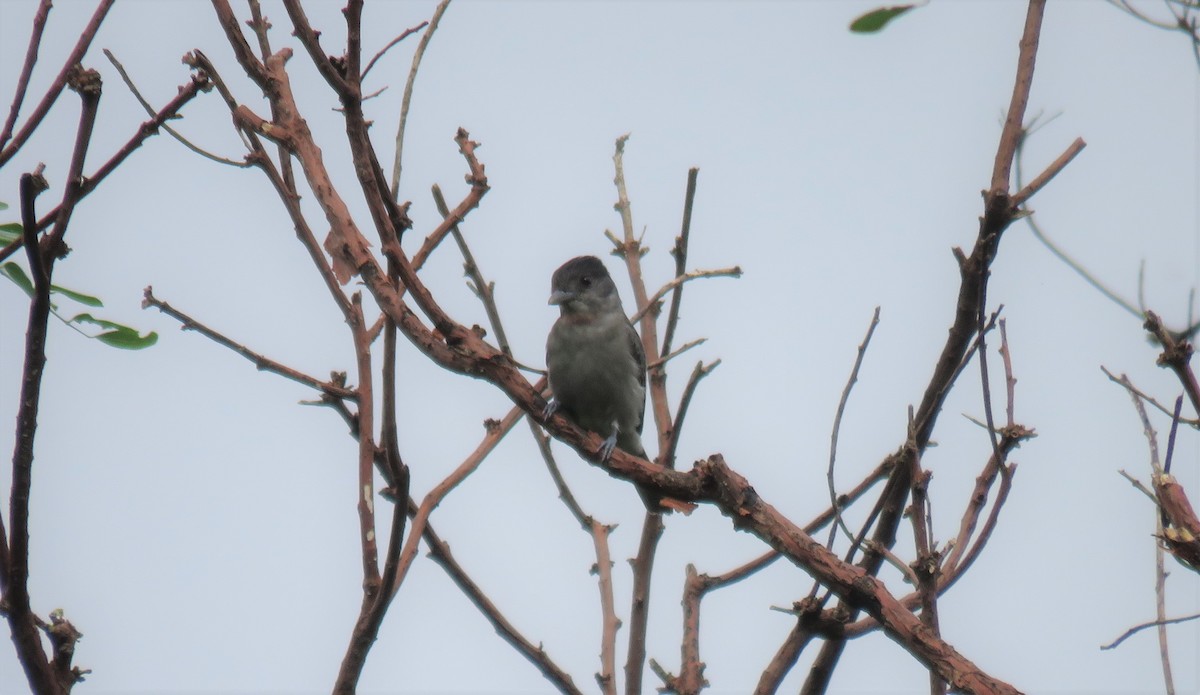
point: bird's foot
(552, 407)
(607, 447)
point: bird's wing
(639, 356)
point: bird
(595, 362)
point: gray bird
(595, 361)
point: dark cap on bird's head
(581, 278)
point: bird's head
(583, 286)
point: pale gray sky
(198, 525)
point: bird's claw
(607, 447)
(551, 408)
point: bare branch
(31, 54)
(64, 75)
(439, 552)
(169, 130)
(408, 91)
(1051, 171)
(679, 252)
(1138, 628)
(261, 362)
(407, 32)
(676, 283)
(1176, 355)
(89, 184)
(837, 426)
(1010, 137)
(1134, 391)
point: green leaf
(3, 205)
(877, 19)
(17, 274)
(118, 335)
(14, 272)
(10, 232)
(128, 339)
(88, 318)
(77, 296)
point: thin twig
(679, 252)
(261, 362)
(837, 426)
(439, 552)
(1014, 120)
(1176, 355)
(1050, 172)
(418, 54)
(599, 532)
(31, 55)
(407, 32)
(678, 351)
(1133, 390)
(147, 129)
(60, 81)
(1160, 609)
(495, 433)
(1139, 485)
(483, 289)
(170, 131)
(676, 283)
(1138, 628)
(699, 372)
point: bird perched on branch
(595, 362)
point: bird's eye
(586, 281)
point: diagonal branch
(61, 81)
(31, 54)
(261, 362)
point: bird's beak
(560, 296)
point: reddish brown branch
(679, 253)
(837, 426)
(61, 81)
(254, 68)
(479, 186)
(1181, 530)
(261, 362)
(606, 678)
(1153, 623)
(700, 371)
(460, 349)
(1010, 137)
(1176, 355)
(406, 100)
(310, 39)
(89, 184)
(31, 54)
(371, 614)
(54, 675)
(639, 610)
(788, 653)
(691, 672)
(999, 213)
(15, 572)
(439, 552)
(630, 249)
(420, 516)
(404, 35)
(1050, 172)
(365, 492)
